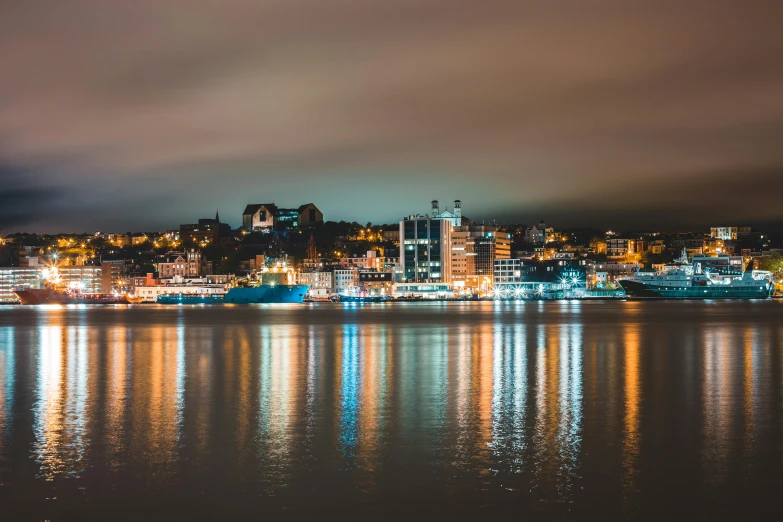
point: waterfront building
(507, 271)
(267, 217)
(609, 272)
(518, 277)
(25, 277)
(423, 290)
(345, 281)
(474, 249)
(321, 283)
(91, 279)
(149, 294)
(376, 283)
(425, 249)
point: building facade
(345, 280)
(268, 217)
(205, 231)
(377, 283)
(474, 249)
(729, 233)
(425, 249)
(182, 264)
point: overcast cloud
(146, 114)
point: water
(537, 410)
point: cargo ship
(265, 293)
(681, 280)
(268, 285)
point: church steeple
(217, 216)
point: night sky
(130, 116)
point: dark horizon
(604, 114)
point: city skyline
(604, 114)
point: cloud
(506, 104)
(22, 203)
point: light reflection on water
(534, 405)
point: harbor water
(549, 410)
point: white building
(321, 283)
(538, 234)
(454, 217)
(729, 233)
(423, 290)
(345, 281)
(178, 285)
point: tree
(774, 264)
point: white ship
(683, 280)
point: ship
(683, 280)
(265, 293)
(53, 295)
(266, 285)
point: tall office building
(474, 249)
(425, 249)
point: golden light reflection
(155, 412)
(716, 410)
(281, 374)
(117, 395)
(49, 423)
(749, 392)
(633, 395)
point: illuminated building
(345, 280)
(370, 261)
(267, 217)
(474, 249)
(377, 283)
(454, 217)
(425, 248)
(538, 234)
(185, 264)
(729, 233)
(87, 278)
(618, 247)
(18, 277)
(519, 277)
(321, 283)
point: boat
(264, 293)
(683, 280)
(53, 295)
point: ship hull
(636, 289)
(247, 295)
(49, 296)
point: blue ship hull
(246, 295)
